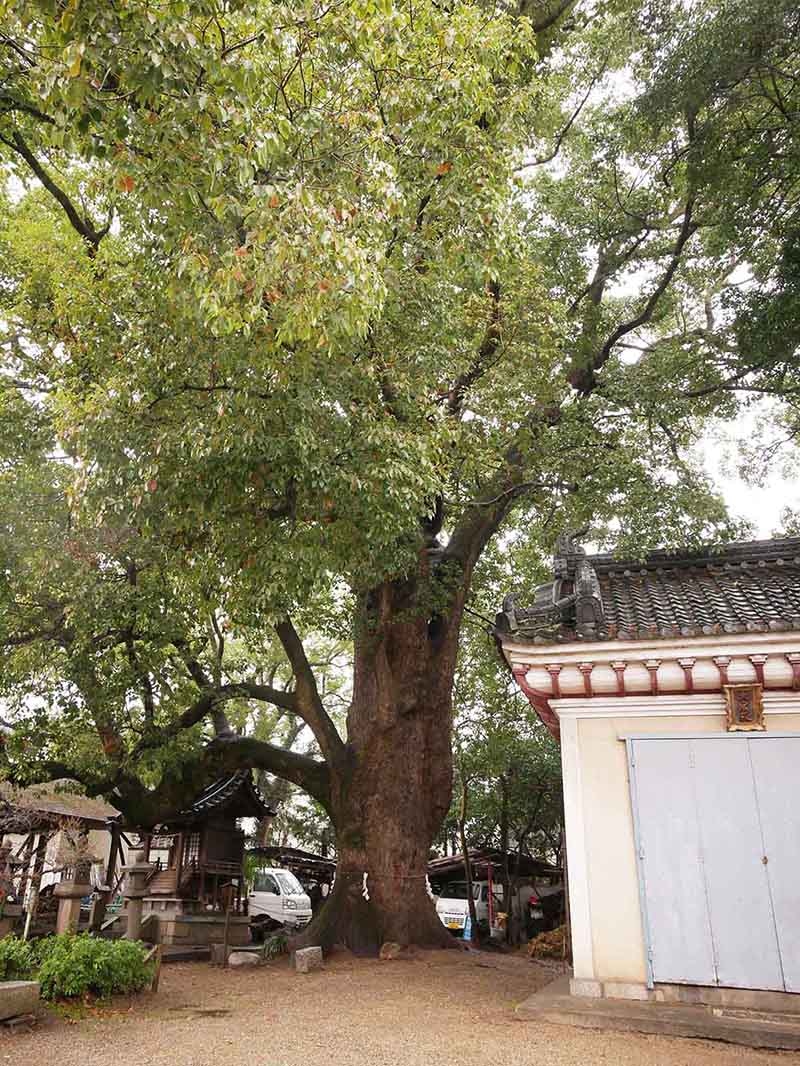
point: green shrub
(276, 945)
(76, 965)
(17, 959)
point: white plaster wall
(99, 848)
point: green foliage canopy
(302, 299)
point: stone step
(748, 1028)
(176, 953)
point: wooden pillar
(36, 881)
(113, 856)
(26, 865)
(179, 863)
(100, 905)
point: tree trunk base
(362, 925)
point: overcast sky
(764, 493)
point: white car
(277, 899)
(452, 905)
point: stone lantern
(69, 892)
(135, 889)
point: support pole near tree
(462, 818)
(36, 881)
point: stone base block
(626, 990)
(690, 995)
(18, 997)
(585, 986)
(69, 914)
(734, 998)
(200, 930)
(590, 988)
(243, 959)
(218, 955)
(7, 924)
(307, 959)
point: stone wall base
(192, 930)
(698, 995)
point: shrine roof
(304, 863)
(749, 587)
(50, 805)
(236, 795)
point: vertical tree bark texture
(391, 788)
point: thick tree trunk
(391, 789)
(385, 823)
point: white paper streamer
(364, 889)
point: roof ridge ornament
(569, 604)
(568, 547)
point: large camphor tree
(302, 304)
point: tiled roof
(237, 792)
(749, 587)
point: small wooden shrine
(197, 857)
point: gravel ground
(439, 1009)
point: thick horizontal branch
(309, 774)
(8, 105)
(208, 702)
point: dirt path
(442, 1009)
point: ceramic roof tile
(746, 587)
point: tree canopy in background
(310, 312)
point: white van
(452, 905)
(277, 899)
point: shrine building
(673, 685)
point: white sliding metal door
(671, 875)
(718, 841)
(776, 766)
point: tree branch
(81, 226)
(541, 160)
(583, 376)
(486, 352)
(482, 518)
(544, 14)
(211, 699)
(308, 704)
(310, 774)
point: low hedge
(71, 965)
(18, 960)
